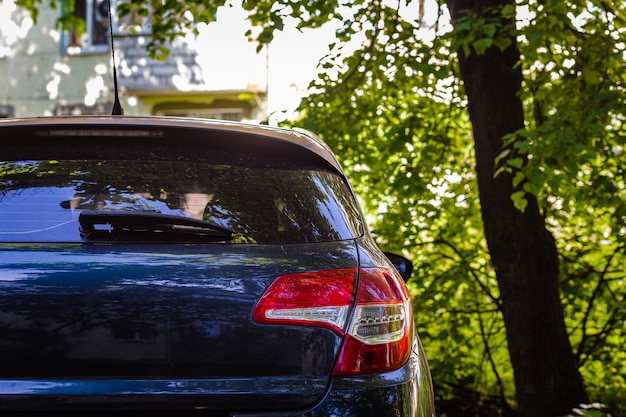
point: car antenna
(117, 107)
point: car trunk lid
(171, 324)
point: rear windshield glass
(41, 200)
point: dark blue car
(157, 266)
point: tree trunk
(523, 252)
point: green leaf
(518, 178)
(508, 11)
(481, 45)
(502, 43)
(592, 77)
(531, 188)
(502, 155)
(515, 162)
(490, 30)
(522, 145)
(519, 200)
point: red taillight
(320, 298)
(379, 331)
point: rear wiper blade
(147, 226)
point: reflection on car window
(41, 200)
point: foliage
(390, 103)
(589, 410)
(575, 94)
(397, 121)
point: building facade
(45, 71)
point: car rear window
(41, 200)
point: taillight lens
(377, 335)
(320, 299)
(380, 333)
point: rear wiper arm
(137, 225)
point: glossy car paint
(113, 327)
(181, 312)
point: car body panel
(176, 314)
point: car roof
(300, 138)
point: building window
(93, 36)
(218, 108)
(233, 114)
(134, 23)
(6, 111)
(81, 109)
